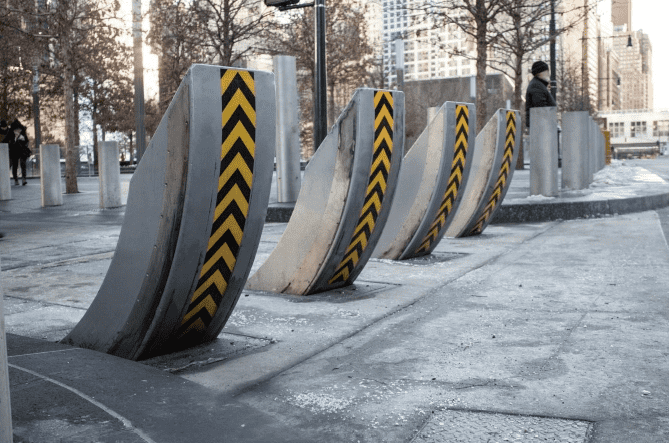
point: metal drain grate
(474, 427)
(225, 346)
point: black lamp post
(553, 57)
(320, 77)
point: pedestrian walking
(18, 150)
(4, 129)
(538, 95)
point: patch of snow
(319, 402)
(618, 173)
(538, 198)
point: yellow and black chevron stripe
(454, 180)
(376, 188)
(503, 173)
(232, 202)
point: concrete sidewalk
(553, 331)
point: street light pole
(320, 80)
(320, 74)
(552, 49)
(140, 134)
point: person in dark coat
(18, 149)
(4, 129)
(538, 95)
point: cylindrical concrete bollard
(432, 113)
(5, 179)
(575, 152)
(5, 404)
(602, 150)
(543, 152)
(52, 194)
(110, 175)
(288, 173)
(607, 146)
(592, 147)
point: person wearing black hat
(18, 149)
(538, 95)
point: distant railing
(634, 111)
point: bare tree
(479, 21)
(104, 84)
(176, 35)
(184, 32)
(349, 58)
(573, 95)
(67, 28)
(14, 74)
(232, 28)
(523, 25)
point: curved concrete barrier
(492, 169)
(430, 184)
(194, 216)
(344, 202)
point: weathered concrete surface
(579, 312)
(570, 324)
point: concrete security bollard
(431, 184)
(196, 208)
(543, 152)
(52, 194)
(575, 152)
(607, 146)
(490, 176)
(602, 150)
(110, 175)
(288, 173)
(432, 113)
(344, 205)
(594, 162)
(5, 179)
(5, 404)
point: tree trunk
(331, 105)
(68, 93)
(481, 64)
(517, 104)
(77, 138)
(131, 149)
(95, 143)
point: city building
(635, 68)
(621, 13)
(428, 52)
(637, 127)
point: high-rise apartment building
(428, 52)
(621, 13)
(635, 66)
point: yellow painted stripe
(244, 75)
(235, 195)
(223, 256)
(383, 116)
(239, 132)
(239, 99)
(237, 164)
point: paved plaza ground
(547, 331)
